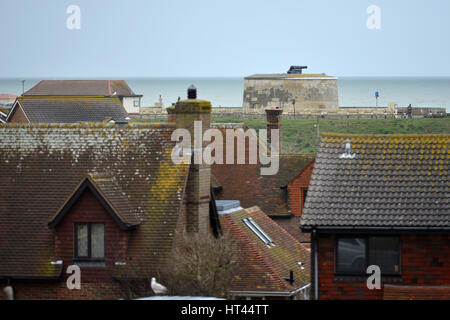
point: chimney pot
(192, 92)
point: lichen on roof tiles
(263, 268)
(393, 180)
(43, 164)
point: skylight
(264, 237)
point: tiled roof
(52, 109)
(110, 193)
(42, 165)
(7, 96)
(252, 188)
(386, 181)
(80, 88)
(291, 225)
(263, 268)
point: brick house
(380, 200)
(280, 196)
(105, 197)
(66, 109)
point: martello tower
(294, 91)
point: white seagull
(157, 287)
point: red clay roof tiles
(263, 268)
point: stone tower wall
(293, 95)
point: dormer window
(89, 241)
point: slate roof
(42, 165)
(80, 88)
(392, 181)
(263, 268)
(51, 109)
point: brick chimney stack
(199, 179)
(273, 115)
(171, 114)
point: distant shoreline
(227, 92)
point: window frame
(303, 190)
(366, 256)
(89, 244)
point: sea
(228, 92)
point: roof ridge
(400, 135)
(90, 125)
(66, 97)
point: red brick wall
(18, 116)
(416, 293)
(59, 291)
(89, 209)
(425, 262)
(96, 282)
(295, 190)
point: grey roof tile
(51, 109)
(393, 180)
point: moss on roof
(44, 164)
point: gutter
(345, 228)
(269, 293)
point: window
(90, 241)
(304, 193)
(263, 236)
(355, 254)
(136, 103)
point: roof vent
(348, 149)
(290, 279)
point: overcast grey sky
(189, 38)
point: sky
(232, 38)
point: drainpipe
(316, 267)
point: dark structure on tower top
(296, 69)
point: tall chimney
(273, 115)
(199, 179)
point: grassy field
(300, 136)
